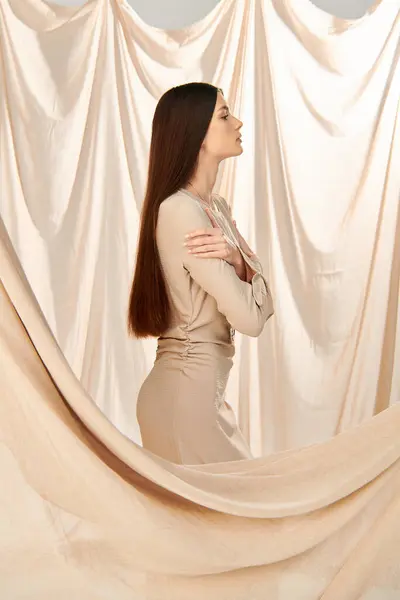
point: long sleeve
(252, 261)
(246, 306)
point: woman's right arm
(247, 306)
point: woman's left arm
(212, 243)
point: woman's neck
(203, 181)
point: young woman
(196, 281)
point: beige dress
(182, 412)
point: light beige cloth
(315, 193)
(87, 514)
(182, 410)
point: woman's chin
(238, 150)
(235, 152)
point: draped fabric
(315, 193)
(86, 513)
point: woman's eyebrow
(224, 107)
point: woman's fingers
(203, 232)
(222, 254)
(216, 254)
(221, 248)
(201, 240)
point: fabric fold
(85, 512)
(305, 509)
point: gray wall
(174, 14)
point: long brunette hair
(180, 124)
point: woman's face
(223, 137)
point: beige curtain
(88, 514)
(85, 512)
(315, 192)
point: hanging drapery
(87, 513)
(316, 192)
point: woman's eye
(225, 117)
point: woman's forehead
(221, 102)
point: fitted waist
(188, 347)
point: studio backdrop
(315, 192)
(85, 512)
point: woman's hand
(243, 244)
(211, 243)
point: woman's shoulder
(176, 199)
(180, 207)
